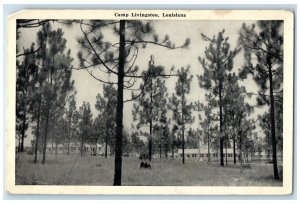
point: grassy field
(87, 170)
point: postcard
(150, 102)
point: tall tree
(165, 138)
(38, 102)
(106, 105)
(236, 110)
(161, 132)
(214, 79)
(259, 147)
(32, 54)
(72, 119)
(265, 124)
(151, 104)
(174, 132)
(264, 43)
(58, 81)
(41, 73)
(85, 124)
(58, 129)
(24, 92)
(207, 123)
(178, 103)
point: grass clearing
(88, 170)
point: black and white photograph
(147, 98)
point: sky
(87, 88)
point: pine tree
(265, 44)
(209, 128)
(35, 79)
(236, 111)
(182, 110)
(98, 130)
(161, 132)
(214, 79)
(85, 125)
(151, 104)
(72, 119)
(38, 102)
(106, 105)
(58, 126)
(174, 132)
(58, 74)
(93, 137)
(165, 138)
(24, 93)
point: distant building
(98, 149)
(201, 154)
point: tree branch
(29, 53)
(106, 82)
(103, 63)
(151, 42)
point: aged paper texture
(154, 38)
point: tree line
(46, 93)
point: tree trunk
(23, 132)
(119, 112)
(81, 149)
(52, 144)
(19, 143)
(183, 144)
(166, 152)
(150, 122)
(48, 106)
(182, 119)
(226, 149)
(46, 135)
(273, 129)
(106, 141)
(70, 132)
(69, 140)
(172, 146)
(37, 133)
(240, 134)
(226, 137)
(221, 126)
(241, 152)
(150, 148)
(160, 149)
(208, 148)
(221, 152)
(234, 152)
(56, 148)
